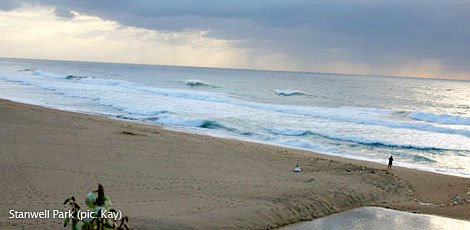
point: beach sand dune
(172, 180)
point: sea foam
(440, 118)
(195, 83)
(289, 92)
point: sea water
(424, 123)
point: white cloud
(38, 33)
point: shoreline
(194, 131)
(353, 158)
(173, 179)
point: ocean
(424, 123)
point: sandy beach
(173, 180)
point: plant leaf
(66, 221)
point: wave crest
(73, 77)
(354, 139)
(287, 92)
(196, 83)
(440, 118)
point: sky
(415, 38)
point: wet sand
(173, 180)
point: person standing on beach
(390, 160)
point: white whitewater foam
(166, 119)
(41, 73)
(195, 82)
(440, 118)
(136, 99)
(288, 92)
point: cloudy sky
(385, 37)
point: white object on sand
(297, 168)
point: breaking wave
(289, 92)
(349, 138)
(196, 83)
(440, 118)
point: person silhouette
(390, 161)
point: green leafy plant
(98, 203)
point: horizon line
(246, 69)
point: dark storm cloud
(9, 4)
(377, 33)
